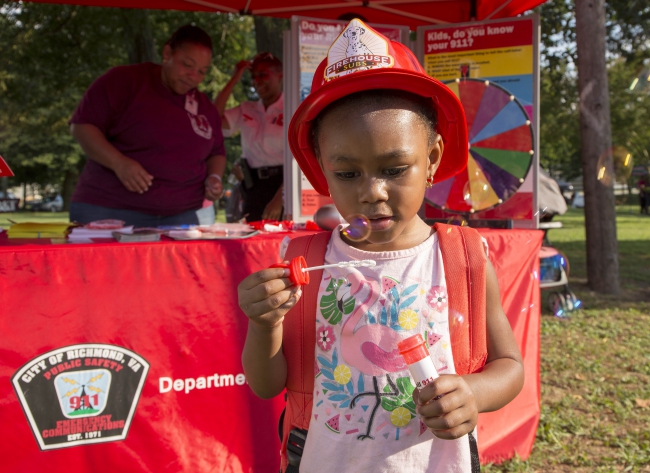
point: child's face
(376, 163)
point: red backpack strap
(299, 337)
(463, 256)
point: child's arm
(463, 397)
(265, 297)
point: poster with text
(493, 68)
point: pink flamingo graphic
(371, 348)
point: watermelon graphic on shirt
(423, 428)
(387, 283)
(431, 338)
(333, 424)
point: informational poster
(493, 68)
(310, 40)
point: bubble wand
(359, 229)
(299, 272)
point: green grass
(633, 234)
(595, 366)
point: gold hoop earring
(429, 182)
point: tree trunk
(268, 34)
(596, 141)
(138, 36)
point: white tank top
(363, 416)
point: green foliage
(52, 53)
(630, 113)
(629, 29)
(628, 26)
(559, 123)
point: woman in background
(153, 141)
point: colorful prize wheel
(500, 149)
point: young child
(372, 135)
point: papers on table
(73, 233)
(216, 231)
(38, 230)
(84, 233)
(138, 235)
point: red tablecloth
(116, 308)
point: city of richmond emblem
(357, 48)
(80, 394)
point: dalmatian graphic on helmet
(358, 48)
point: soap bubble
(476, 191)
(458, 327)
(359, 228)
(614, 165)
(457, 318)
(457, 220)
(340, 282)
(641, 82)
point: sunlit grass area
(595, 366)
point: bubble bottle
(418, 360)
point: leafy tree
(269, 34)
(628, 29)
(628, 43)
(630, 114)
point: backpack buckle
(295, 445)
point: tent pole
(212, 5)
(504, 4)
(406, 14)
(327, 6)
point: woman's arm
(216, 165)
(93, 142)
(222, 97)
(273, 210)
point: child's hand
(452, 415)
(265, 296)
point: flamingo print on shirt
(368, 344)
(371, 349)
